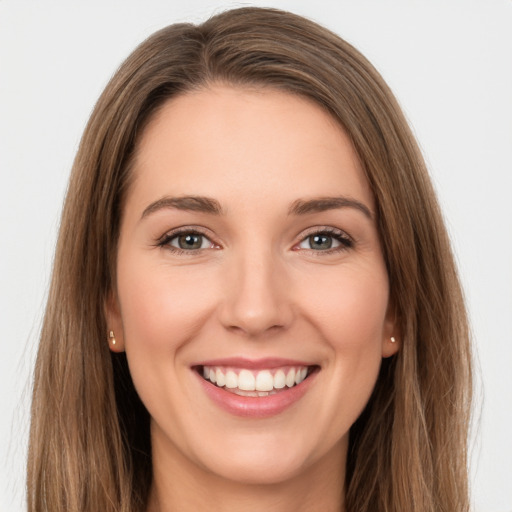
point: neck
(179, 484)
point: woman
(251, 231)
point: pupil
(190, 241)
(320, 242)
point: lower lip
(256, 407)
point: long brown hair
(89, 442)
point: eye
(191, 241)
(319, 242)
(186, 241)
(326, 240)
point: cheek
(350, 316)
(349, 307)
(161, 307)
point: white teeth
(242, 392)
(231, 380)
(279, 379)
(252, 382)
(246, 381)
(264, 381)
(300, 375)
(220, 377)
(290, 378)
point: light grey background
(448, 61)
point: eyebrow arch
(186, 203)
(322, 204)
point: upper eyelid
(330, 230)
(186, 229)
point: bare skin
(321, 485)
(273, 258)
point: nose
(256, 297)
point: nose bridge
(256, 299)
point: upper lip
(253, 364)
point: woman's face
(249, 254)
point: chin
(266, 469)
(266, 459)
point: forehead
(246, 144)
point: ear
(115, 331)
(391, 341)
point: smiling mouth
(256, 383)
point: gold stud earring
(112, 337)
(393, 340)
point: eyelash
(165, 241)
(345, 241)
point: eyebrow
(322, 204)
(298, 207)
(186, 203)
